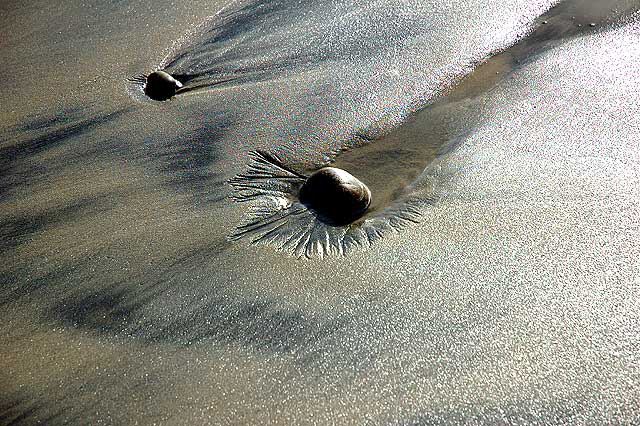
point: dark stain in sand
(17, 157)
(16, 230)
(188, 162)
(261, 325)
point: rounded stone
(335, 195)
(161, 86)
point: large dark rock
(161, 86)
(335, 195)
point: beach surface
(495, 278)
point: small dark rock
(161, 86)
(335, 195)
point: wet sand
(512, 300)
(435, 130)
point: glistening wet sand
(390, 163)
(513, 300)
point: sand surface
(495, 280)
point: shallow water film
(158, 265)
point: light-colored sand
(515, 300)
